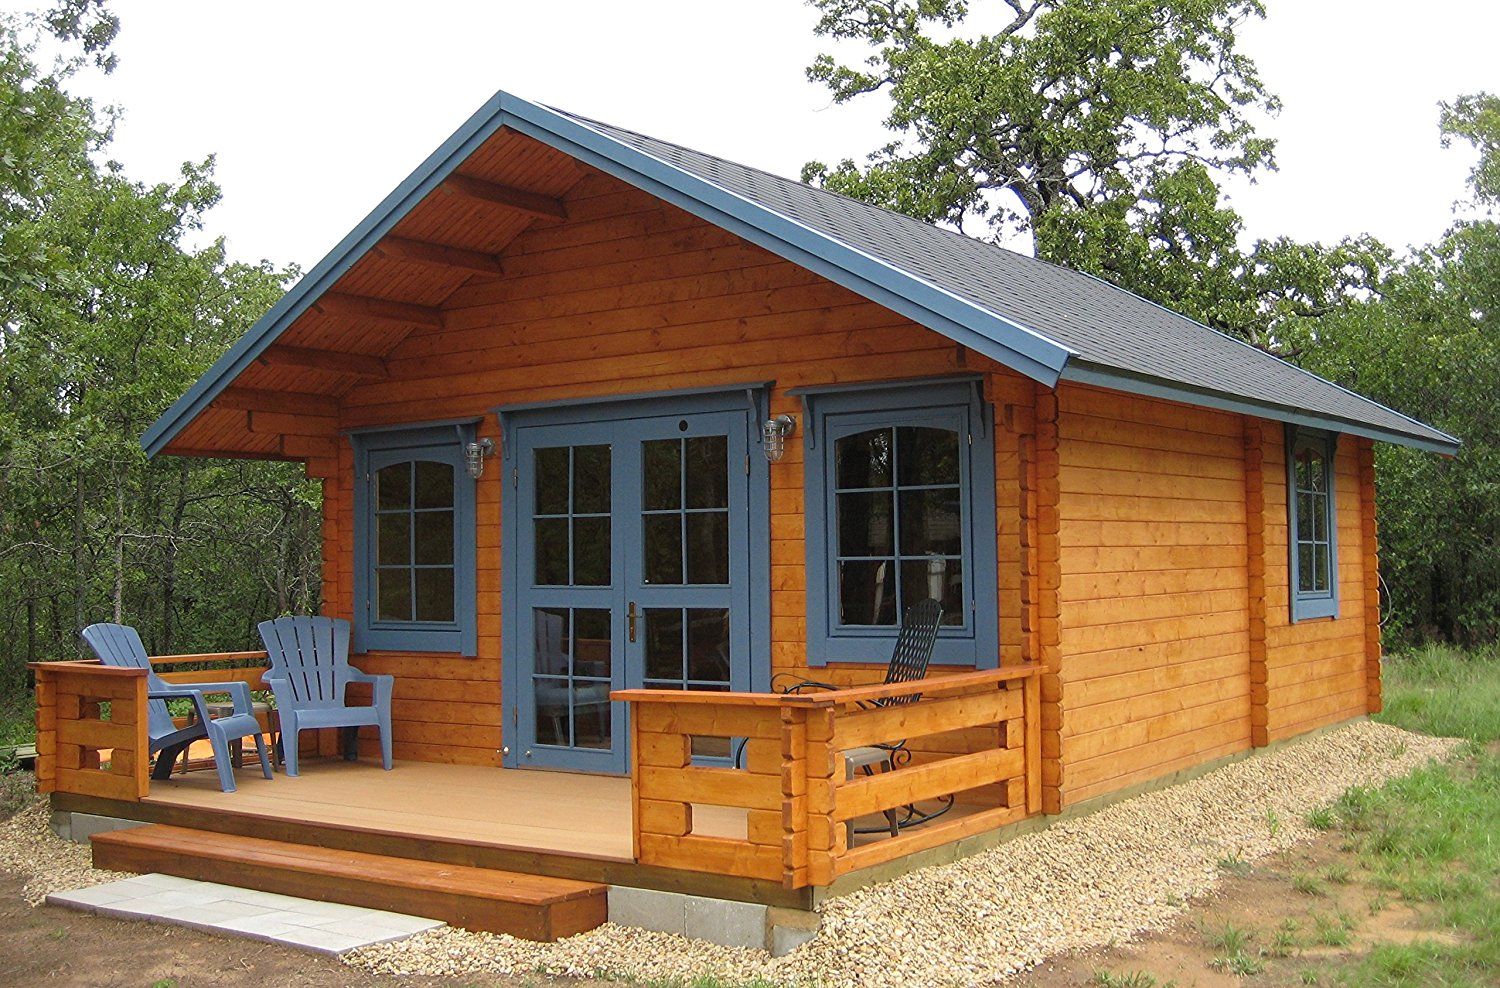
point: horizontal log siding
(1154, 589)
(1316, 670)
(633, 295)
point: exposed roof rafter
(334, 362)
(438, 255)
(543, 207)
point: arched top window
(900, 495)
(414, 541)
(900, 509)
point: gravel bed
(1084, 883)
(29, 848)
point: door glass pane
(708, 644)
(591, 479)
(552, 552)
(1320, 517)
(867, 592)
(393, 487)
(592, 646)
(393, 594)
(708, 547)
(707, 470)
(551, 481)
(591, 551)
(393, 539)
(662, 484)
(550, 626)
(591, 714)
(550, 699)
(434, 537)
(663, 548)
(926, 456)
(864, 459)
(664, 644)
(434, 485)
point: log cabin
(615, 436)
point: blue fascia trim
(1305, 607)
(1024, 350)
(1107, 377)
(301, 296)
(1015, 346)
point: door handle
(630, 616)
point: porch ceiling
(455, 236)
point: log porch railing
(798, 796)
(91, 735)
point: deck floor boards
(561, 812)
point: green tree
(1102, 127)
(108, 311)
(1428, 342)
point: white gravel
(29, 848)
(1083, 883)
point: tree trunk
(169, 575)
(118, 594)
(80, 582)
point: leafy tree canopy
(1102, 127)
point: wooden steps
(531, 906)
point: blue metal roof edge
(1287, 363)
(1022, 349)
(1108, 377)
(474, 131)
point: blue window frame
(414, 539)
(900, 493)
(1312, 528)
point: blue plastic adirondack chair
(118, 645)
(309, 671)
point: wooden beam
(291, 402)
(437, 255)
(385, 310)
(534, 203)
(354, 364)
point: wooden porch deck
(551, 812)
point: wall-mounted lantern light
(773, 436)
(474, 456)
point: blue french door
(631, 569)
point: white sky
(317, 109)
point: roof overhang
(1109, 377)
(1014, 346)
(1020, 348)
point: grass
(1438, 689)
(1132, 979)
(1430, 837)
(1307, 885)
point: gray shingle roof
(1111, 332)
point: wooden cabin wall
(632, 295)
(1154, 637)
(1317, 670)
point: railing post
(1031, 700)
(826, 840)
(46, 731)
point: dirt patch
(1309, 910)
